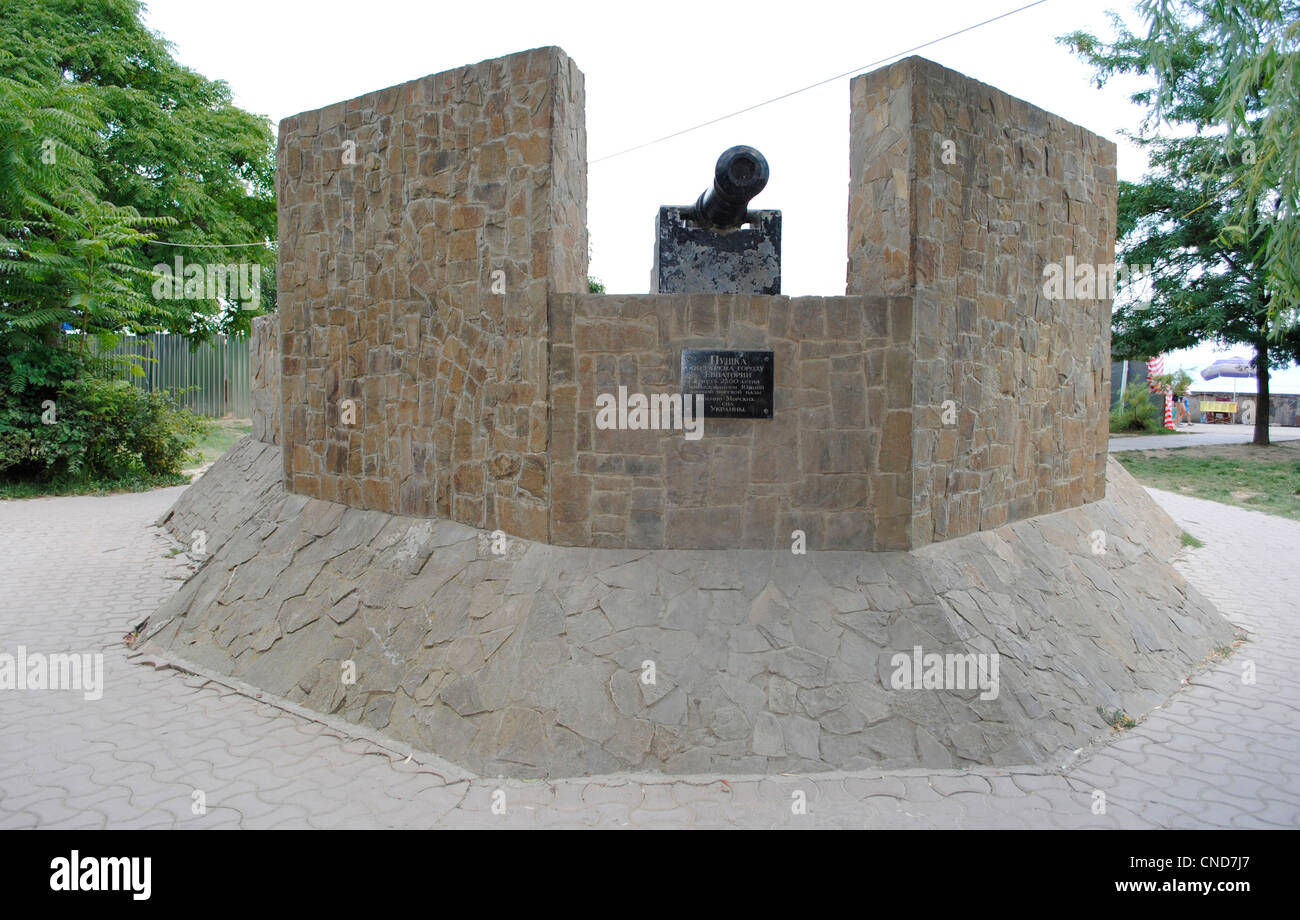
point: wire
(840, 76)
(714, 121)
(213, 245)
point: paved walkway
(1203, 436)
(76, 573)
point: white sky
(654, 68)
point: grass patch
(1189, 540)
(222, 435)
(1222, 651)
(1144, 434)
(1259, 478)
(1116, 719)
(141, 483)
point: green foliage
(1255, 99)
(1135, 411)
(37, 371)
(85, 278)
(97, 429)
(1213, 220)
(595, 285)
(1192, 217)
(1263, 479)
(46, 186)
(142, 133)
(1229, 72)
(66, 418)
(43, 131)
(99, 126)
(67, 258)
(1177, 382)
(1116, 719)
(134, 482)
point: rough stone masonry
(530, 663)
(959, 196)
(421, 229)
(426, 402)
(473, 400)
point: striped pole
(1169, 410)
(1155, 367)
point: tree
(67, 259)
(1258, 104)
(1198, 218)
(1134, 411)
(168, 141)
(96, 278)
(106, 143)
(1176, 383)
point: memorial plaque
(735, 384)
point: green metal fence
(212, 380)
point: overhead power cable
(714, 121)
(213, 245)
(804, 89)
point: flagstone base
(560, 661)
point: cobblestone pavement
(77, 573)
(1199, 435)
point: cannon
(718, 245)
(740, 174)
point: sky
(653, 69)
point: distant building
(1283, 408)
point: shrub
(1135, 411)
(99, 428)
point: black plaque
(735, 384)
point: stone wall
(421, 228)
(215, 504)
(960, 195)
(433, 251)
(1283, 410)
(834, 462)
(264, 356)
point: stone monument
(435, 504)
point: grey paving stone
(1221, 754)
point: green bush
(98, 429)
(1135, 411)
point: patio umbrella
(1230, 367)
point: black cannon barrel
(741, 174)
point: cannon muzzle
(741, 174)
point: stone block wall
(421, 229)
(960, 196)
(439, 358)
(835, 461)
(264, 356)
